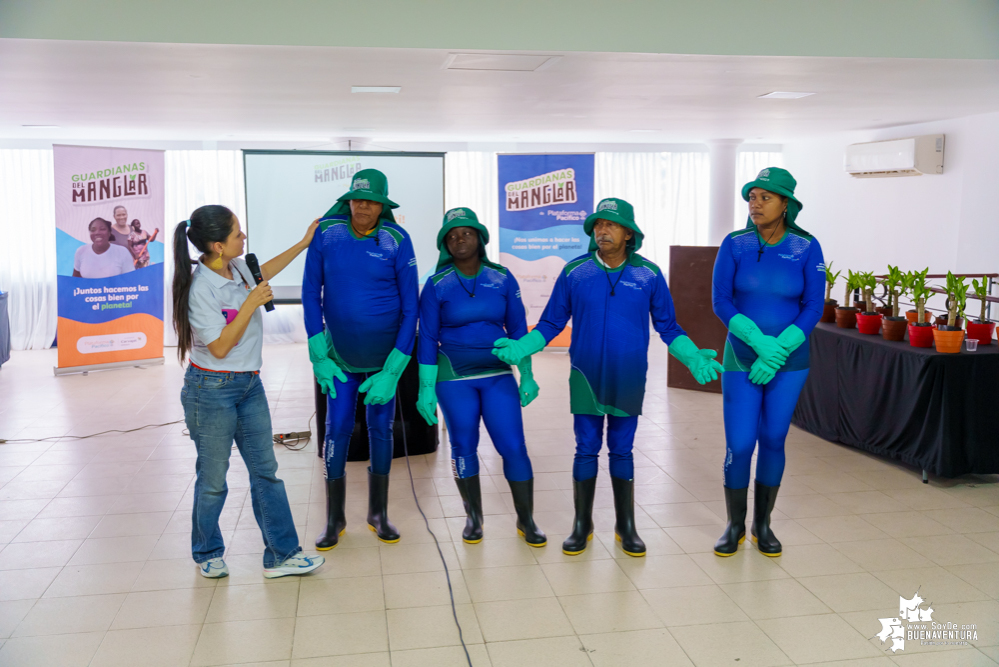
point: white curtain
(747, 165)
(470, 180)
(28, 246)
(669, 192)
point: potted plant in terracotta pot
(982, 328)
(893, 326)
(846, 317)
(920, 330)
(916, 315)
(869, 321)
(829, 311)
(949, 337)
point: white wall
(945, 222)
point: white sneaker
(214, 568)
(296, 565)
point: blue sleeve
(558, 311)
(312, 286)
(408, 281)
(723, 283)
(813, 299)
(430, 324)
(516, 318)
(663, 314)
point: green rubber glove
(426, 402)
(380, 387)
(766, 347)
(325, 368)
(701, 363)
(514, 351)
(761, 373)
(791, 338)
(528, 387)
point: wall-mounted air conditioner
(914, 156)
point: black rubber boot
(763, 505)
(378, 508)
(336, 520)
(624, 506)
(471, 496)
(582, 526)
(523, 502)
(735, 531)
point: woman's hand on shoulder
(310, 233)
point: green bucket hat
(780, 181)
(619, 211)
(369, 184)
(462, 217)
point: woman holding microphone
(216, 314)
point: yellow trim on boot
(741, 540)
(633, 555)
(576, 553)
(382, 539)
(536, 546)
(467, 541)
(334, 546)
(756, 542)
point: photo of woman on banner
(138, 243)
(120, 228)
(103, 258)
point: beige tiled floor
(95, 566)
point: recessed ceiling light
(375, 89)
(499, 62)
(784, 95)
(39, 127)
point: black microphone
(254, 266)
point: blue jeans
(340, 412)
(589, 430)
(496, 400)
(758, 413)
(220, 407)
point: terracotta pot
(982, 332)
(869, 323)
(846, 318)
(941, 321)
(884, 311)
(920, 336)
(911, 316)
(893, 328)
(829, 311)
(948, 341)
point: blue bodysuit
(365, 291)
(609, 350)
(783, 285)
(457, 331)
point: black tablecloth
(938, 412)
(420, 438)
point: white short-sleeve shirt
(114, 261)
(213, 302)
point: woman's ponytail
(208, 225)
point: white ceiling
(188, 92)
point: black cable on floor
(84, 437)
(412, 484)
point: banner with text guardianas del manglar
(109, 246)
(543, 201)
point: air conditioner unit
(914, 156)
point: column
(721, 199)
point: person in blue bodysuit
(768, 289)
(610, 294)
(361, 281)
(465, 306)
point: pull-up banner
(543, 201)
(109, 251)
